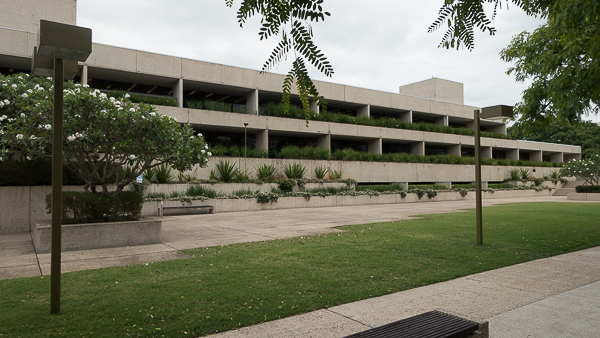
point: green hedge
(588, 189)
(84, 207)
(35, 172)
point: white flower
(112, 99)
(3, 117)
(132, 157)
(132, 110)
(71, 138)
(199, 134)
(127, 96)
(48, 127)
(29, 157)
(86, 86)
(206, 146)
(1, 104)
(24, 95)
(1, 132)
(32, 137)
(102, 95)
(203, 151)
(191, 137)
(29, 91)
(209, 154)
(152, 114)
(14, 86)
(19, 136)
(49, 78)
(6, 102)
(22, 115)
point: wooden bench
(161, 208)
(429, 324)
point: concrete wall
(26, 14)
(435, 88)
(99, 235)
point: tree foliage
(584, 134)
(562, 58)
(102, 134)
(291, 19)
(588, 169)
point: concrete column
(445, 184)
(557, 157)
(442, 121)
(314, 107)
(512, 154)
(535, 155)
(84, 75)
(252, 102)
(178, 92)
(324, 142)
(417, 148)
(486, 152)
(364, 111)
(375, 146)
(404, 185)
(497, 129)
(454, 149)
(262, 140)
(471, 125)
(406, 117)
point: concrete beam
(501, 128)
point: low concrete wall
(229, 188)
(591, 197)
(99, 235)
(250, 204)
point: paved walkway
(552, 297)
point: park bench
(161, 208)
(433, 324)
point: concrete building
(435, 101)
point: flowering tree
(101, 134)
(588, 168)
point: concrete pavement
(552, 297)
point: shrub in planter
(287, 185)
(84, 207)
(588, 189)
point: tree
(584, 134)
(562, 58)
(103, 134)
(292, 19)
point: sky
(380, 46)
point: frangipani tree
(101, 134)
(588, 169)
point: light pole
(245, 147)
(65, 44)
(495, 112)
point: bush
(35, 172)
(295, 170)
(266, 173)
(198, 190)
(84, 207)
(287, 185)
(588, 189)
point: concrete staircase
(568, 187)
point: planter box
(591, 197)
(99, 235)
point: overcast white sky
(380, 46)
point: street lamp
(65, 45)
(495, 112)
(245, 148)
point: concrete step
(563, 191)
(572, 184)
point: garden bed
(251, 204)
(99, 235)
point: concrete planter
(99, 235)
(229, 188)
(590, 197)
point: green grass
(222, 288)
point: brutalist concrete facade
(435, 100)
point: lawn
(226, 287)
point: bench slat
(433, 324)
